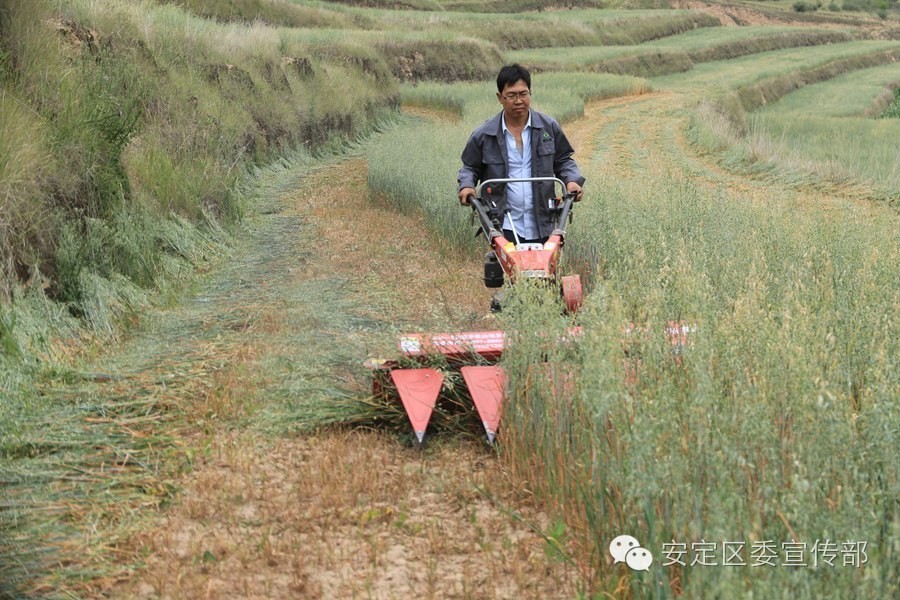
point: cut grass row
(92, 446)
(679, 52)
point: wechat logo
(627, 549)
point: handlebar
(490, 227)
(520, 180)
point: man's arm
(473, 168)
(564, 166)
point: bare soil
(344, 515)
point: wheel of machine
(572, 294)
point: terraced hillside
(203, 453)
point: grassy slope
(813, 145)
(142, 119)
(751, 69)
(848, 95)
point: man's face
(515, 98)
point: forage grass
(787, 370)
(893, 109)
(776, 417)
(26, 217)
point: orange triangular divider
(418, 389)
(486, 385)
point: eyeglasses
(512, 97)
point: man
(519, 142)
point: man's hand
(574, 187)
(465, 194)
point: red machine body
(419, 387)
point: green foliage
(8, 344)
(872, 6)
(802, 6)
(893, 110)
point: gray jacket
(484, 157)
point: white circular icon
(639, 559)
(620, 546)
(626, 549)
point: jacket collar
(504, 128)
(534, 118)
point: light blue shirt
(519, 200)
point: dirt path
(342, 514)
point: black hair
(510, 74)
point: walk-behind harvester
(475, 355)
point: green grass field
(838, 132)
(849, 95)
(747, 70)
